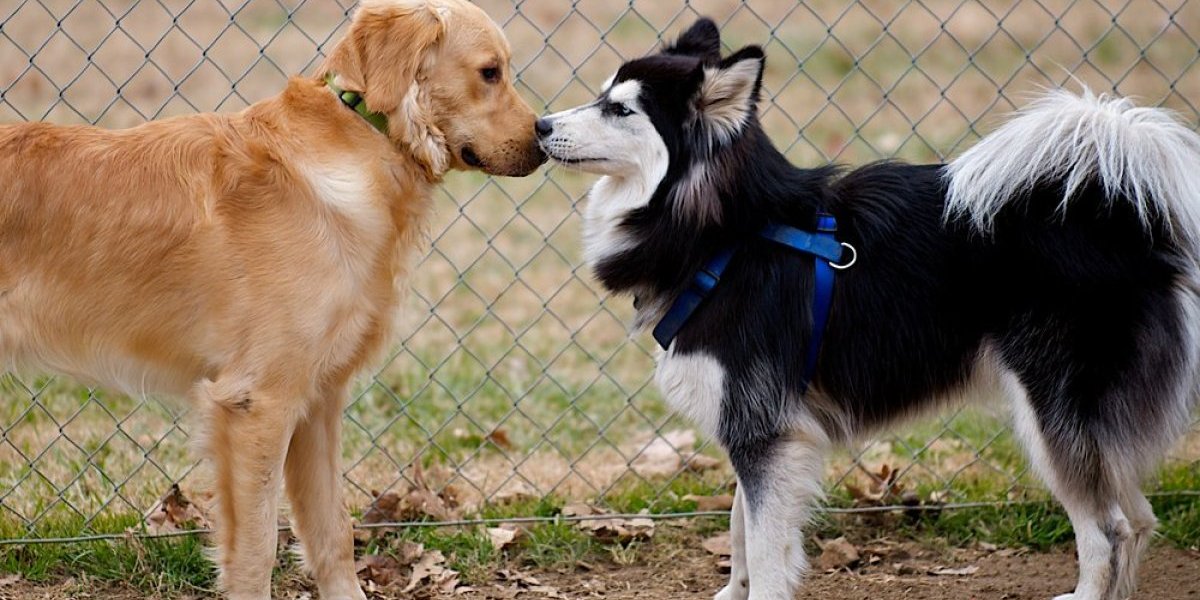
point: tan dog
(251, 261)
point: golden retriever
(251, 261)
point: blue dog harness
(824, 247)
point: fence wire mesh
(516, 379)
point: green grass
(161, 566)
(172, 567)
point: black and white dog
(1055, 261)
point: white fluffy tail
(1143, 154)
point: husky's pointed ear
(729, 93)
(702, 40)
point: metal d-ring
(853, 258)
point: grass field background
(515, 374)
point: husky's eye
(617, 109)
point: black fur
(1082, 309)
(1080, 304)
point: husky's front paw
(733, 591)
(1070, 596)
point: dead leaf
(499, 438)
(724, 566)
(517, 577)
(174, 512)
(699, 463)
(581, 510)
(665, 454)
(882, 489)
(503, 535)
(960, 572)
(838, 554)
(524, 582)
(519, 492)
(383, 509)
(380, 569)
(432, 567)
(422, 504)
(547, 591)
(615, 529)
(718, 544)
(407, 552)
(711, 503)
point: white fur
(775, 555)
(609, 202)
(628, 151)
(625, 92)
(739, 573)
(1142, 153)
(345, 189)
(693, 385)
(1092, 545)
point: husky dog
(1056, 262)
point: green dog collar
(355, 101)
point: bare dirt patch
(1168, 574)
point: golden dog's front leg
(314, 486)
(247, 441)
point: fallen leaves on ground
(174, 512)
(719, 545)
(885, 489)
(838, 554)
(410, 571)
(959, 572)
(515, 491)
(711, 503)
(418, 501)
(504, 535)
(612, 529)
(516, 583)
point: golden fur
(252, 261)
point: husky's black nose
(543, 127)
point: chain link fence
(516, 379)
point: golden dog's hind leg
(314, 486)
(247, 441)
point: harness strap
(824, 247)
(823, 276)
(689, 300)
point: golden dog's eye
(490, 74)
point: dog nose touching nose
(543, 127)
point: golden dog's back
(93, 223)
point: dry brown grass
(504, 328)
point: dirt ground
(899, 572)
(1168, 574)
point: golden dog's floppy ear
(382, 53)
